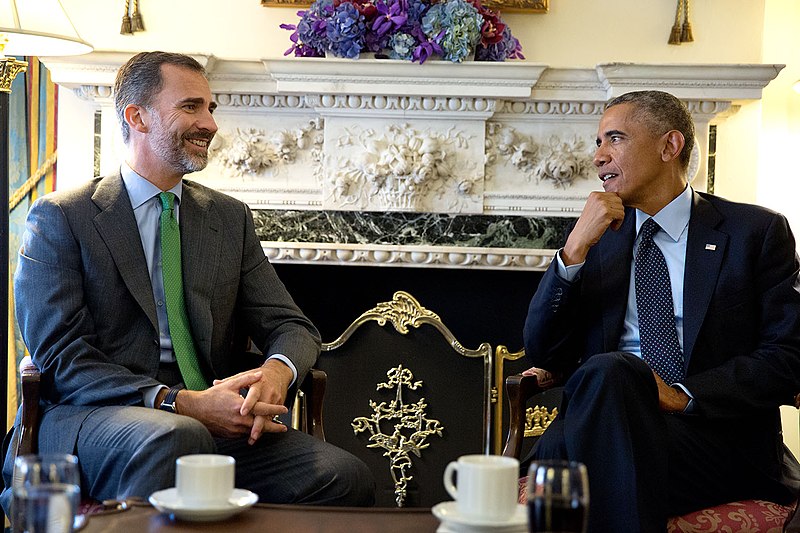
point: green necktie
(179, 330)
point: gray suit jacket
(85, 305)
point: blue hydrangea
(345, 31)
(401, 46)
(456, 26)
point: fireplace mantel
(369, 136)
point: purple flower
(425, 50)
(391, 16)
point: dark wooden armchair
(523, 391)
(307, 413)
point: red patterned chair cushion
(750, 516)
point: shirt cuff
(567, 273)
(690, 408)
(287, 362)
(150, 394)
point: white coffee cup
(204, 480)
(487, 486)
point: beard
(171, 148)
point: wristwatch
(169, 400)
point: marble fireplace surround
(375, 162)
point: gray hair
(140, 79)
(661, 112)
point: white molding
(408, 256)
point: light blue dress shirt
(674, 221)
(147, 210)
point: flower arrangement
(414, 30)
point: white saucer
(168, 501)
(448, 513)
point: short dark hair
(140, 79)
(661, 112)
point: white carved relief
(402, 168)
(250, 152)
(559, 161)
(562, 161)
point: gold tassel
(126, 20)
(686, 32)
(137, 23)
(126, 25)
(675, 34)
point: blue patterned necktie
(179, 330)
(657, 332)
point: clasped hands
(226, 413)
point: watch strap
(168, 404)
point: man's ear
(136, 118)
(673, 145)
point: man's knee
(348, 480)
(614, 367)
(184, 435)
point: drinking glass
(558, 497)
(46, 490)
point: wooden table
(266, 518)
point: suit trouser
(131, 451)
(645, 465)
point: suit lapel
(615, 275)
(116, 224)
(705, 249)
(200, 248)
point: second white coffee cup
(204, 480)
(486, 487)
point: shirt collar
(140, 190)
(673, 217)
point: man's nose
(600, 157)
(207, 122)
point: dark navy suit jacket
(741, 319)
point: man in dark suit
(660, 442)
(95, 311)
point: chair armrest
(519, 389)
(313, 389)
(30, 377)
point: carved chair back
(406, 397)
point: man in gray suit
(93, 309)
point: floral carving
(563, 161)
(558, 161)
(403, 167)
(250, 152)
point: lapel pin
(711, 247)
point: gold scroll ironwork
(408, 426)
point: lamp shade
(39, 28)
